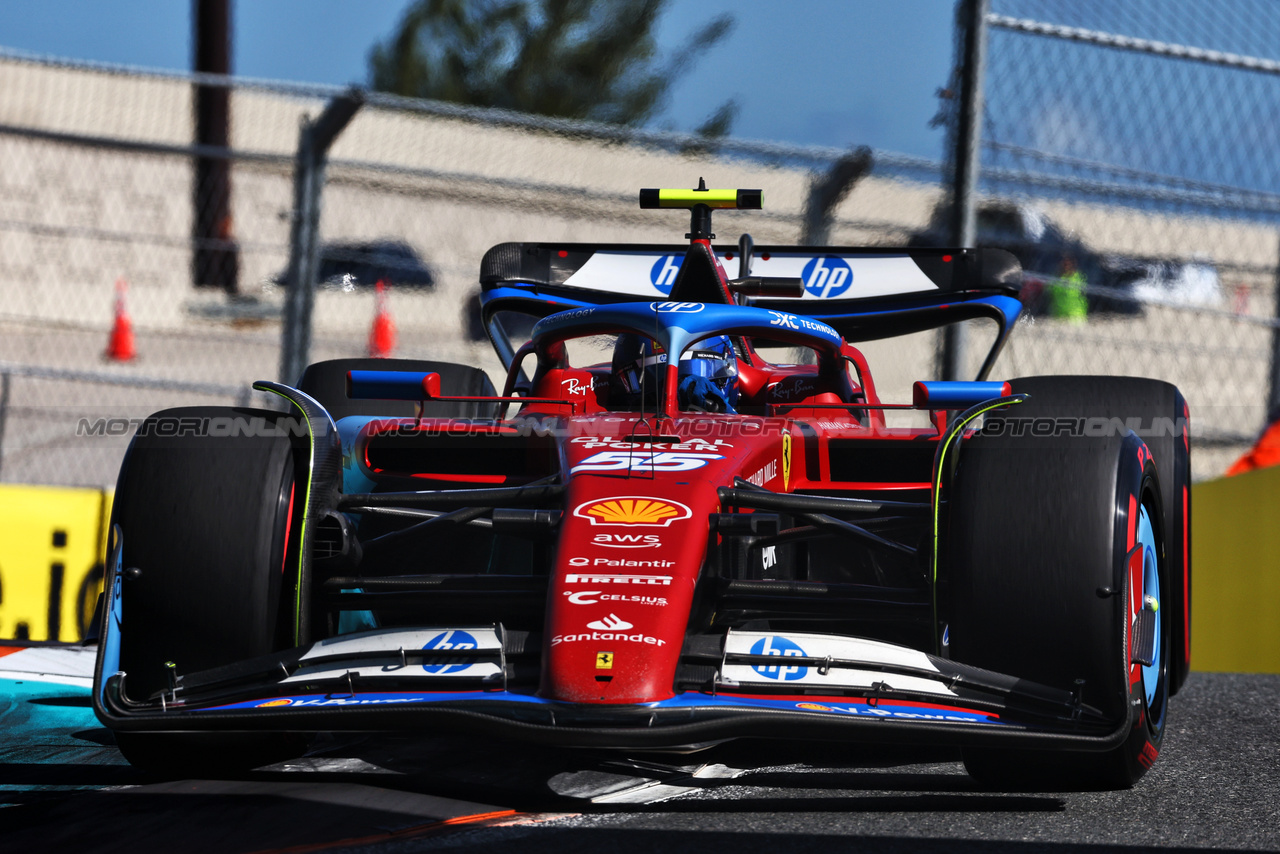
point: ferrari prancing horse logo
(786, 462)
(604, 661)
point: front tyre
(209, 502)
(1056, 552)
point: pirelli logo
(609, 578)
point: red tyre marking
(288, 525)
(1133, 522)
(1135, 589)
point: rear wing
(621, 271)
(864, 293)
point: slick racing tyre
(1159, 414)
(327, 383)
(1044, 582)
(208, 502)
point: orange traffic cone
(120, 346)
(382, 337)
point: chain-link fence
(1140, 172)
(100, 182)
(1130, 147)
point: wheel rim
(1152, 675)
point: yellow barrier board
(52, 543)
(1235, 597)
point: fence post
(1273, 390)
(4, 410)
(972, 16)
(314, 140)
(827, 190)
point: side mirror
(955, 395)
(392, 385)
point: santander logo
(611, 623)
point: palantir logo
(783, 648)
(450, 640)
(664, 271)
(828, 276)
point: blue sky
(824, 72)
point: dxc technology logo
(828, 276)
(782, 648)
(450, 640)
(664, 271)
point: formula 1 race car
(688, 517)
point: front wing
(456, 679)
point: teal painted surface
(51, 742)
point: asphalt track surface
(64, 787)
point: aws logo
(827, 276)
(662, 275)
(627, 541)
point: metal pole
(215, 258)
(826, 192)
(314, 140)
(4, 411)
(1273, 393)
(972, 16)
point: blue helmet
(708, 374)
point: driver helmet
(635, 368)
(708, 374)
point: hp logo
(676, 307)
(828, 276)
(783, 648)
(664, 271)
(450, 640)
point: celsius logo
(450, 640)
(611, 623)
(828, 276)
(664, 271)
(783, 648)
(676, 307)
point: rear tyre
(327, 383)
(1041, 587)
(207, 501)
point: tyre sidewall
(201, 519)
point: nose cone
(621, 591)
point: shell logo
(270, 703)
(633, 510)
